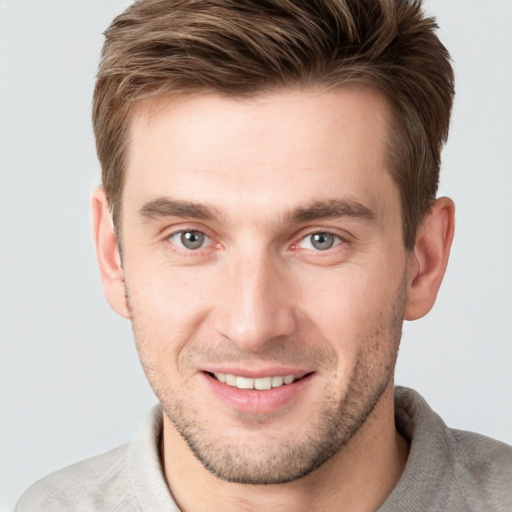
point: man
(268, 218)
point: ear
(429, 258)
(107, 253)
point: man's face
(262, 244)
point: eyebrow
(324, 209)
(332, 209)
(164, 207)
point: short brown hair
(247, 47)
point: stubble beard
(278, 461)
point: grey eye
(320, 241)
(190, 239)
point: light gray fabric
(128, 479)
(447, 470)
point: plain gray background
(71, 385)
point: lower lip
(255, 401)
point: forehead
(274, 150)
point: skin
(258, 177)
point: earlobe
(107, 253)
(430, 258)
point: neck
(360, 476)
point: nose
(256, 302)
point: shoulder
(482, 468)
(128, 479)
(98, 483)
(448, 469)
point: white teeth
(262, 383)
(230, 379)
(243, 383)
(277, 381)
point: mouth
(259, 394)
(260, 383)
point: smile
(262, 383)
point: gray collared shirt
(447, 470)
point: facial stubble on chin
(276, 460)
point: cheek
(168, 306)
(339, 301)
(353, 306)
